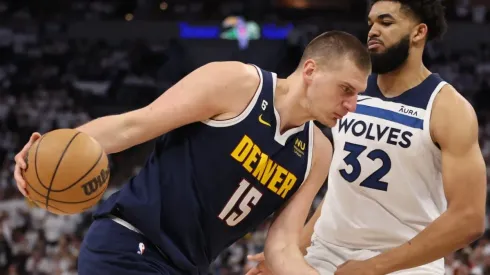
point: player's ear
(309, 68)
(420, 33)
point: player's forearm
(287, 260)
(282, 248)
(451, 231)
(305, 239)
(110, 132)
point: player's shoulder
(451, 112)
(235, 84)
(232, 73)
(449, 102)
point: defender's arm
(455, 129)
(309, 228)
(282, 247)
(213, 89)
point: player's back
(207, 184)
(385, 182)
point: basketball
(67, 172)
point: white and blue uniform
(385, 181)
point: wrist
(382, 265)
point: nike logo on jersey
(263, 121)
(373, 131)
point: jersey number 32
(373, 181)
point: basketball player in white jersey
(407, 183)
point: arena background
(63, 63)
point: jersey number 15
(252, 197)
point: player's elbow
(473, 224)
(276, 252)
(477, 227)
(275, 245)
(271, 250)
(278, 242)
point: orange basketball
(67, 172)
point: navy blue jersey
(209, 183)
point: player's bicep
(464, 177)
(203, 94)
(463, 167)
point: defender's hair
(429, 12)
(328, 47)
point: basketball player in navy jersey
(407, 182)
(239, 145)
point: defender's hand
(20, 164)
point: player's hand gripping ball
(67, 172)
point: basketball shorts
(325, 257)
(110, 248)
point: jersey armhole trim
(244, 113)
(428, 116)
(310, 150)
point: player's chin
(376, 50)
(329, 122)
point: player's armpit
(216, 89)
(282, 248)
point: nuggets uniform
(385, 182)
(204, 186)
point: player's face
(389, 36)
(332, 93)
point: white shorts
(325, 258)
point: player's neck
(407, 76)
(290, 104)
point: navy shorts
(109, 248)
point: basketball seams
(51, 207)
(57, 166)
(33, 189)
(35, 161)
(77, 202)
(51, 161)
(57, 209)
(82, 177)
(66, 202)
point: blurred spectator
(62, 83)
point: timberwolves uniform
(385, 182)
(205, 186)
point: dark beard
(392, 58)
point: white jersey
(385, 182)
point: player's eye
(386, 24)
